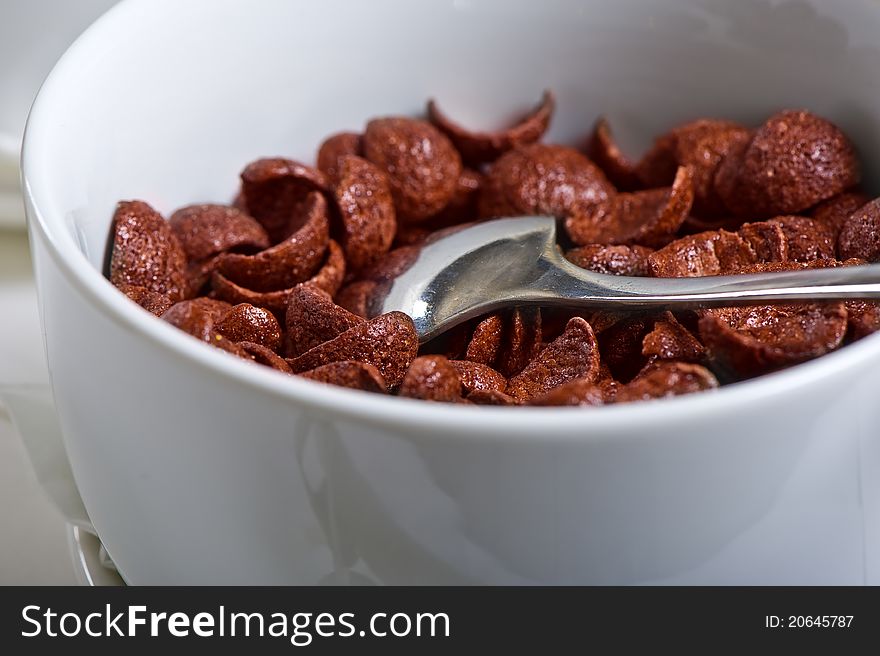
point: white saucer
(91, 563)
(11, 208)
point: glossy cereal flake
(197, 316)
(292, 261)
(388, 342)
(670, 340)
(146, 253)
(749, 341)
(432, 378)
(794, 161)
(152, 302)
(351, 374)
(334, 149)
(700, 145)
(666, 380)
(572, 355)
(860, 234)
(616, 260)
(420, 162)
(541, 179)
(247, 323)
(649, 218)
(475, 376)
(604, 151)
(226, 290)
(363, 200)
(313, 318)
(480, 147)
(485, 342)
(273, 189)
(834, 212)
(705, 254)
(207, 230)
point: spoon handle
(806, 285)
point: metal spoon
(516, 261)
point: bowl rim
(46, 222)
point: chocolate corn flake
(490, 397)
(604, 151)
(794, 161)
(207, 230)
(749, 341)
(313, 318)
(332, 272)
(273, 190)
(768, 240)
(650, 218)
(657, 167)
(264, 355)
(334, 148)
(351, 374)
(199, 274)
(355, 297)
(574, 354)
(700, 145)
(461, 208)
(420, 162)
(834, 212)
(485, 342)
(222, 343)
(388, 342)
(146, 252)
(578, 392)
(153, 302)
(807, 239)
(860, 234)
(431, 378)
(290, 262)
(670, 340)
(197, 316)
(393, 264)
(615, 260)
(665, 380)
(542, 179)
(247, 323)
(364, 202)
(705, 254)
(480, 147)
(521, 340)
(226, 290)
(621, 345)
(475, 376)
(863, 318)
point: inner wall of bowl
(167, 101)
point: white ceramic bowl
(199, 468)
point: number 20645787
(808, 621)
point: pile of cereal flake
(283, 276)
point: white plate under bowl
(11, 204)
(90, 561)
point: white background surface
(33, 34)
(33, 546)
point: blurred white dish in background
(33, 34)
